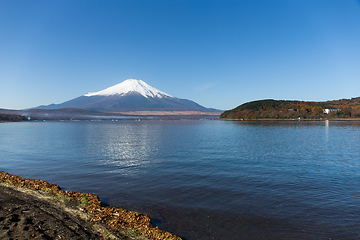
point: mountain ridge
(129, 95)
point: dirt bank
(36, 209)
(26, 217)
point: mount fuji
(129, 96)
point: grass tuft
(63, 197)
(135, 233)
(84, 201)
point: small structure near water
(327, 110)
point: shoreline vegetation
(12, 118)
(108, 222)
(269, 109)
(294, 119)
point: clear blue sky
(218, 53)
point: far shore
(169, 113)
(221, 119)
(291, 120)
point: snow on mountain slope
(130, 95)
(128, 86)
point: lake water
(204, 179)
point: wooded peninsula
(12, 118)
(291, 110)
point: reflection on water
(240, 180)
(327, 130)
(125, 147)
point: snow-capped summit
(131, 86)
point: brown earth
(36, 209)
(23, 216)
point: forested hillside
(12, 118)
(283, 109)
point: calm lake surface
(204, 179)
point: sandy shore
(36, 209)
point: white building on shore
(327, 110)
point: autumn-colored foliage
(113, 217)
(12, 118)
(282, 109)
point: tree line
(283, 109)
(12, 118)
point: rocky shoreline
(83, 212)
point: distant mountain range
(127, 100)
(135, 98)
(285, 109)
(130, 95)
